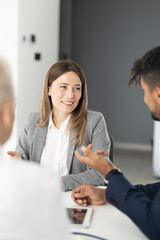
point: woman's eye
(78, 88)
(62, 86)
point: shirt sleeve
(140, 203)
(150, 189)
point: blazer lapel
(40, 140)
(71, 149)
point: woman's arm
(24, 141)
(22, 146)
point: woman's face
(65, 93)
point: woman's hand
(14, 154)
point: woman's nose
(70, 93)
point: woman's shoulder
(34, 117)
(94, 114)
(95, 120)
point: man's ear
(157, 92)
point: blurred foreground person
(30, 206)
(141, 202)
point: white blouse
(54, 154)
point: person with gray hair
(30, 206)
(6, 102)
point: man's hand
(101, 152)
(87, 194)
(95, 160)
(14, 154)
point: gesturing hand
(95, 160)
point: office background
(103, 36)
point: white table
(107, 222)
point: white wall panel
(39, 18)
(19, 19)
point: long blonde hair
(77, 122)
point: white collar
(63, 126)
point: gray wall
(107, 36)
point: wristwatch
(110, 173)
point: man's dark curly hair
(147, 67)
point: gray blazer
(32, 141)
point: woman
(62, 126)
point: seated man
(140, 203)
(30, 204)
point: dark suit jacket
(140, 203)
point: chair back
(111, 154)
